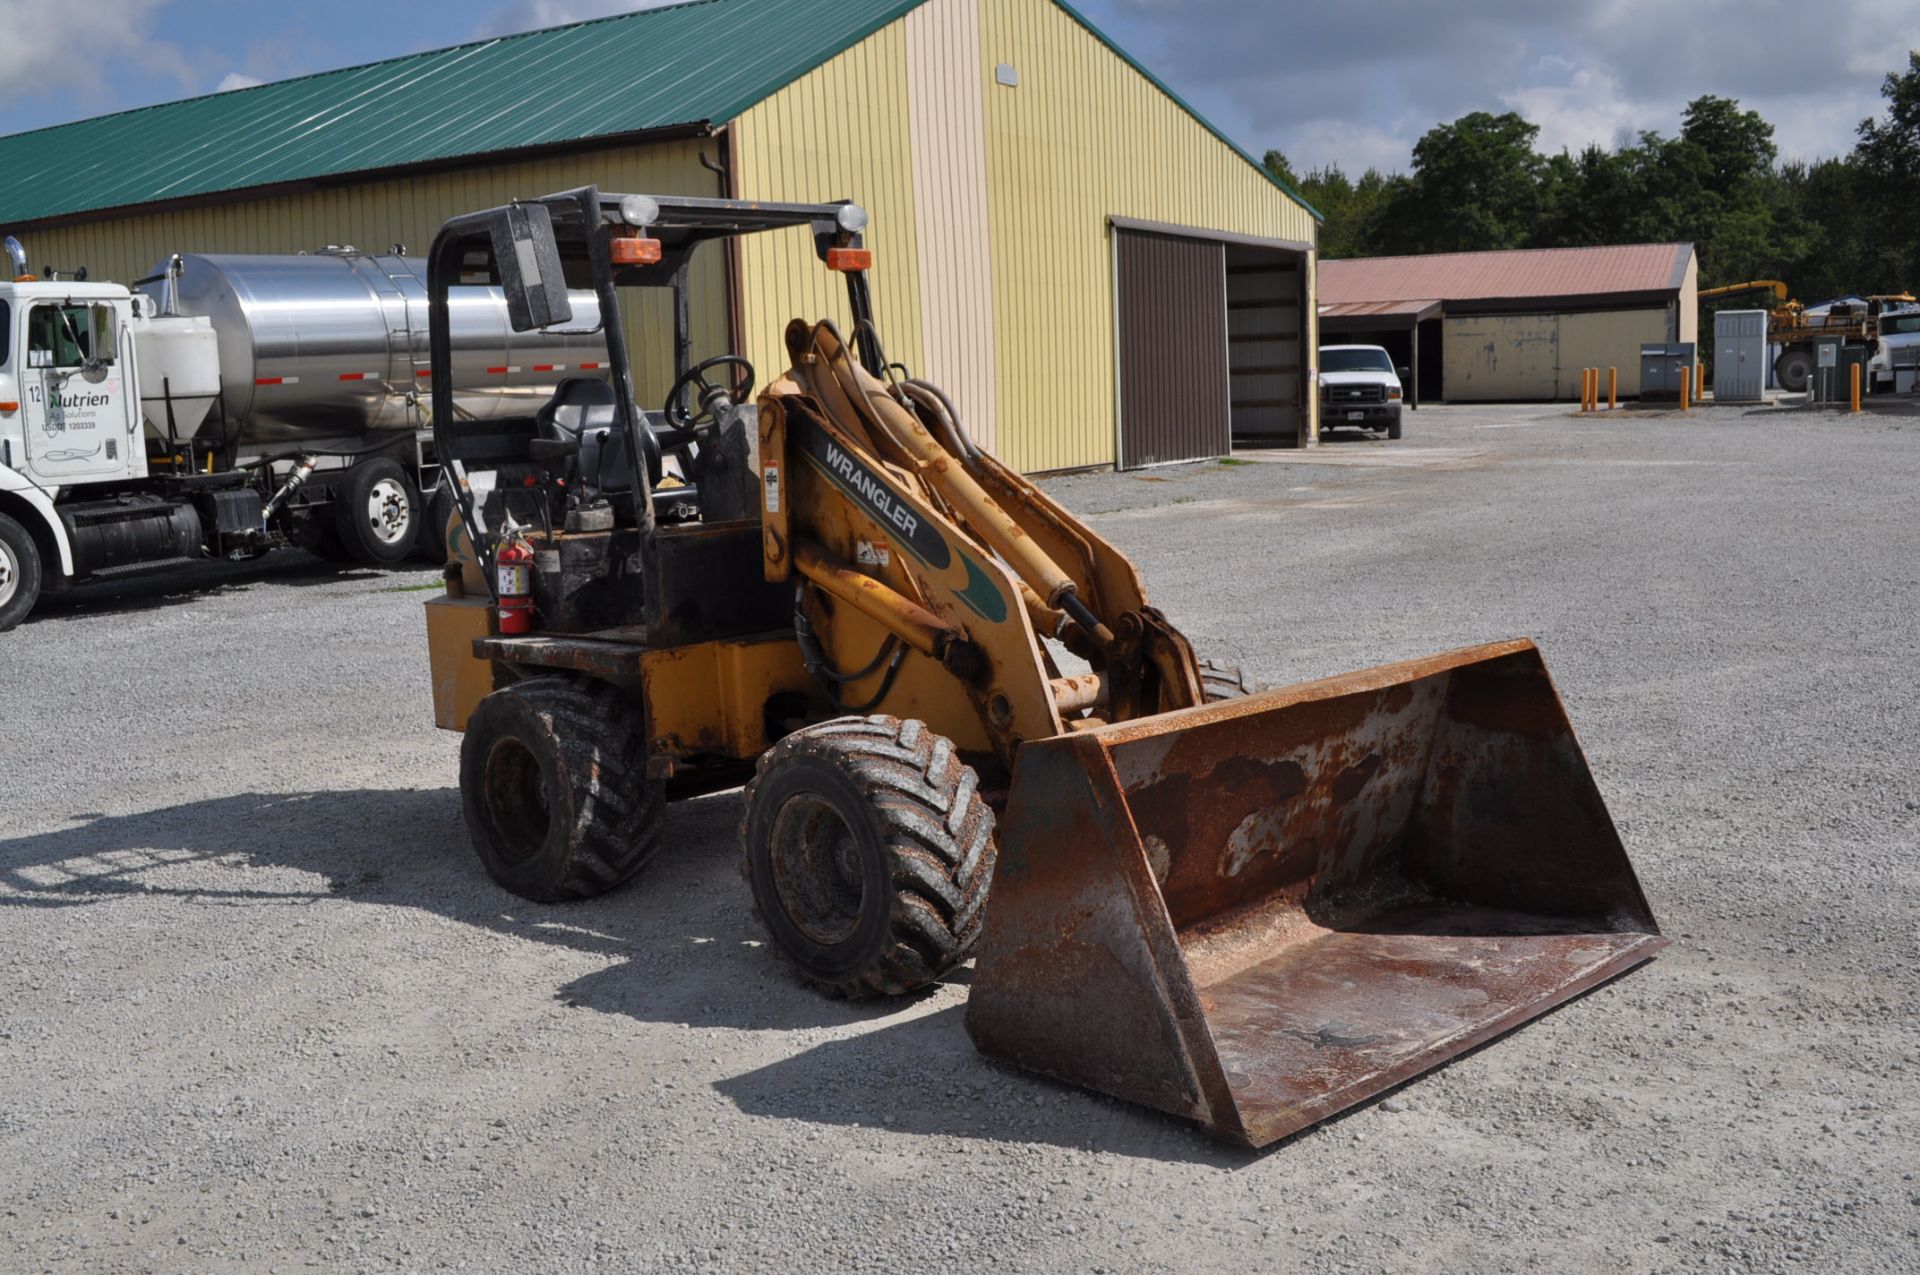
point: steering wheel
(712, 397)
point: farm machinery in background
(1888, 324)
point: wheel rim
(389, 512)
(9, 573)
(516, 798)
(816, 869)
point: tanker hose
(302, 470)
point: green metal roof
(698, 63)
(703, 62)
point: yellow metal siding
(1538, 357)
(1493, 358)
(838, 132)
(410, 211)
(947, 120)
(1083, 137)
(1689, 325)
(1604, 339)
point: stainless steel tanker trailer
(228, 405)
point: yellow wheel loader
(963, 729)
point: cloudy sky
(1352, 84)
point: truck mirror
(528, 260)
(1402, 373)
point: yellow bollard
(1686, 383)
(1699, 381)
(1583, 391)
(1613, 388)
(1593, 388)
(1855, 369)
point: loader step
(1352, 1013)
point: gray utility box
(1739, 356)
(1662, 365)
(1832, 364)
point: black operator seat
(582, 407)
(582, 410)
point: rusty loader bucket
(1257, 913)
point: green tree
(1476, 185)
(1888, 158)
(1738, 144)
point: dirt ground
(260, 1009)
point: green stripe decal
(980, 594)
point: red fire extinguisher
(513, 565)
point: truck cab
(1361, 388)
(69, 399)
(1895, 364)
(69, 420)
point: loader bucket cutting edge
(1260, 912)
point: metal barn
(1514, 326)
(1031, 187)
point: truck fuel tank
(333, 346)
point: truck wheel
(869, 851)
(1393, 428)
(376, 512)
(1794, 370)
(1223, 681)
(19, 573)
(431, 545)
(554, 786)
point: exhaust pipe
(17, 253)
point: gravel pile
(260, 1010)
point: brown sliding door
(1171, 303)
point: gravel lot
(261, 1010)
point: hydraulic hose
(892, 651)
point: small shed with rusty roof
(1516, 325)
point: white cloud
(532, 15)
(1586, 107)
(77, 45)
(1352, 146)
(236, 80)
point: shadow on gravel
(689, 949)
(923, 1076)
(202, 582)
(685, 948)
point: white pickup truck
(1359, 387)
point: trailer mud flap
(1260, 912)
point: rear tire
(1223, 681)
(376, 513)
(319, 537)
(1794, 370)
(431, 545)
(20, 573)
(554, 787)
(869, 851)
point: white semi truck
(226, 406)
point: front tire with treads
(869, 852)
(553, 782)
(1223, 681)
